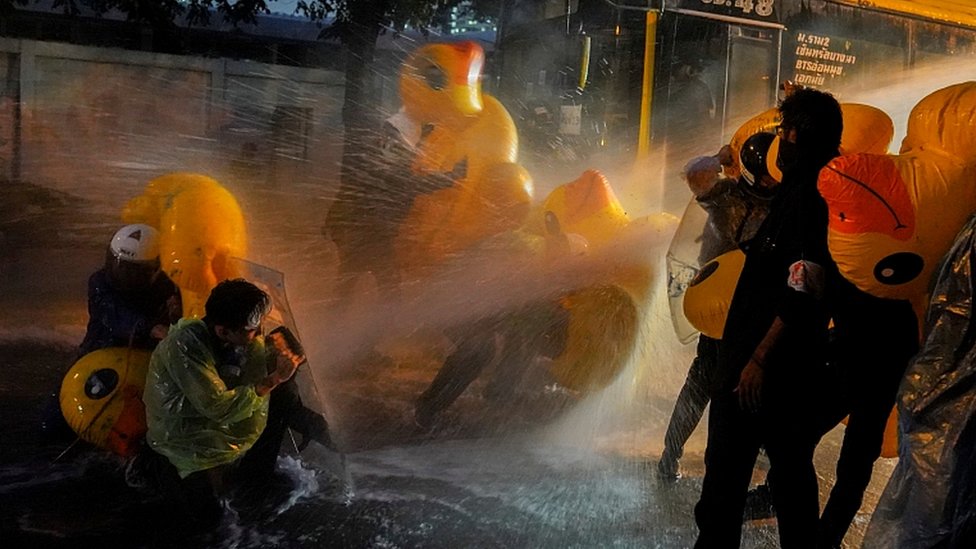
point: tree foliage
(393, 14)
(389, 15)
(167, 12)
(157, 13)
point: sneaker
(311, 426)
(667, 469)
(759, 504)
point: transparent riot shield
(273, 283)
(683, 264)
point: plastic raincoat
(734, 216)
(201, 406)
(930, 500)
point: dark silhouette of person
(774, 348)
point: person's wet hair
(237, 304)
(817, 119)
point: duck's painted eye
(101, 383)
(433, 76)
(899, 268)
(704, 273)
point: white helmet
(136, 242)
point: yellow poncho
(200, 413)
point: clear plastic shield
(683, 264)
(273, 283)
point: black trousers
(285, 411)
(870, 361)
(195, 500)
(692, 399)
(785, 426)
(474, 352)
(537, 329)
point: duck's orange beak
(866, 194)
(463, 63)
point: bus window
(752, 76)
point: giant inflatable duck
(608, 308)
(201, 227)
(893, 217)
(101, 398)
(470, 133)
(467, 131)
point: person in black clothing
(512, 338)
(774, 347)
(372, 202)
(873, 341)
(375, 196)
(131, 303)
(735, 209)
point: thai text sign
(763, 10)
(820, 58)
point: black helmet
(753, 161)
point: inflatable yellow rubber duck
(608, 307)
(101, 398)
(469, 132)
(201, 227)
(893, 217)
(465, 131)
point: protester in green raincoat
(207, 391)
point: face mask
(132, 277)
(787, 157)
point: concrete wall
(102, 122)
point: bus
(635, 78)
